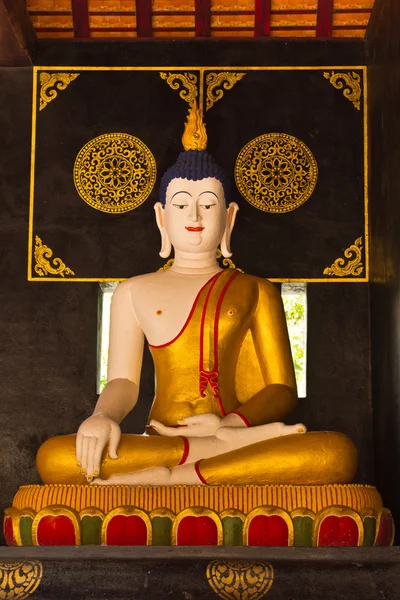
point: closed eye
(207, 206)
(180, 206)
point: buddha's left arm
(271, 341)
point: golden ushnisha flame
(195, 136)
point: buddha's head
(193, 214)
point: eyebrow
(209, 192)
(180, 192)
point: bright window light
(294, 296)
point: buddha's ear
(165, 243)
(230, 222)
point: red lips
(194, 228)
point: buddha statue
(224, 373)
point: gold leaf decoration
(226, 262)
(240, 580)
(43, 266)
(51, 84)
(216, 81)
(185, 82)
(19, 579)
(115, 172)
(276, 172)
(351, 264)
(349, 82)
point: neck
(204, 263)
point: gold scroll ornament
(217, 83)
(186, 83)
(115, 172)
(351, 264)
(234, 580)
(43, 265)
(19, 579)
(276, 172)
(349, 82)
(51, 84)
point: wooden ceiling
(199, 18)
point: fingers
(84, 455)
(93, 441)
(164, 430)
(115, 436)
(79, 440)
(97, 457)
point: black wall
(383, 46)
(49, 330)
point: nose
(193, 213)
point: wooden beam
(262, 22)
(144, 25)
(202, 18)
(324, 18)
(17, 36)
(80, 18)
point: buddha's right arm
(125, 358)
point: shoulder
(263, 286)
(136, 284)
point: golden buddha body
(224, 372)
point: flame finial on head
(194, 137)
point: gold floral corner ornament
(115, 172)
(349, 82)
(19, 579)
(186, 83)
(43, 265)
(51, 84)
(276, 172)
(240, 580)
(351, 264)
(217, 83)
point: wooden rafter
(262, 23)
(143, 18)
(203, 18)
(17, 36)
(80, 18)
(324, 18)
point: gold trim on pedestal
(217, 83)
(353, 265)
(43, 266)
(185, 82)
(19, 579)
(351, 84)
(240, 580)
(50, 85)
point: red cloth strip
(324, 18)
(185, 451)
(80, 18)
(203, 18)
(262, 22)
(245, 421)
(143, 18)
(199, 475)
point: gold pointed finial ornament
(195, 135)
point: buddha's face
(195, 214)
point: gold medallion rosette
(115, 172)
(276, 172)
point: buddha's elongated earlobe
(230, 222)
(165, 243)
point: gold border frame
(197, 512)
(337, 511)
(57, 511)
(201, 70)
(268, 511)
(127, 511)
